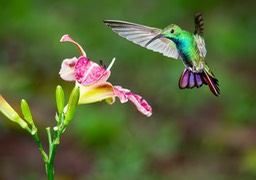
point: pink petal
(141, 104)
(88, 72)
(67, 71)
(121, 93)
(67, 38)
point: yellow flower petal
(96, 93)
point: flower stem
(50, 161)
(40, 146)
(53, 143)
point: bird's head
(171, 32)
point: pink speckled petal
(67, 71)
(67, 38)
(88, 72)
(141, 104)
(124, 95)
(121, 93)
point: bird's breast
(191, 59)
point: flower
(92, 80)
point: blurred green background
(191, 135)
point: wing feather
(200, 44)
(199, 24)
(199, 34)
(140, 34)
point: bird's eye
(172, 31)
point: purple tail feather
(188, 79)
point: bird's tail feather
(188, 79)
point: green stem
(53, 143)
(40, 146)
(49, 163)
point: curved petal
(88, 72)
(96, 93)
(121, 93)
(67, 38)
(67, 71)
(141, 104)
(124, 95)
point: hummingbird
(176, 43)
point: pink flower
(92, 80)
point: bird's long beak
(154, 38)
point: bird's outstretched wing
(199, 34)
(140, 34)
(199, 24)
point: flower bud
(72, 104)
(26, 112)
(60, 99)
(11, 114)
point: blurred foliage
(191, 135)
